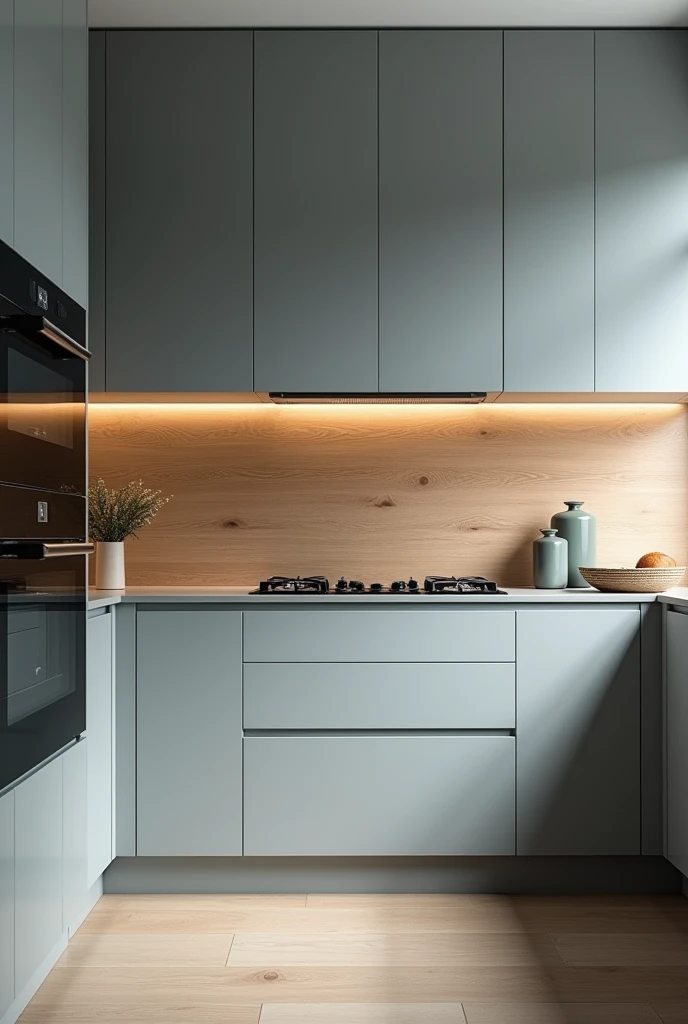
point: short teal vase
(550, 561)
(580, 530)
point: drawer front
(381, 696)
(379, 636)
(379, 796)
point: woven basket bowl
(633, 581)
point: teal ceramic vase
(550, 561)
(579, 529)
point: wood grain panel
(560, 1013)
(364, 1013)
(390, 491)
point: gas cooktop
(343, 586)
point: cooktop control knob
(356, 586)
(397, 586)
(341, 584)
(413, 585)
(376, 588)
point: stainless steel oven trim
(37, 550)
(28, 323)
(60, 338)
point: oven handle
(38, 550)
(31, 323)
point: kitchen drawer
(379, 696)
(372, 636)
(379, 796)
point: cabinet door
(74, 831)
(641, 163)
(316, 236)
(75, 150)
(99, 733)
(179, 211)
(7, 126)
(578, 731)
(676, 711)
(38, 870)
(6, 901)
(549, 211)
(189, 733)
(96, 210)
(440, 211)
(38, 134)
(379, 796)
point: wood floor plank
(162, 1013)
(672, 1013)
(666, 950)
(159, 950)
(365, 1013)
(560, 1013)
(387, 950)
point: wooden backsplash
(385, 491)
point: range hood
(377, 398)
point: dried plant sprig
(115, 514)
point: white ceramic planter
(110, 565)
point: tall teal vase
(580, 530)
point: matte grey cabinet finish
(38, 134)
(372, 636)
(316, 233)
(641, 210)
(96, 210)
(379, 697)
(549, 211)
(75, 150)
(189, 733)
(6, 901)
(74, 834)
(179, 211)
(379, 796)
(99, 722)
(7, 128)
(38, 870)
(441, 210)
(578, 732)
(676, 754)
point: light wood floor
(373, 960)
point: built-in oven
(43, 531)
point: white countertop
(242, 595)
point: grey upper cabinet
(179, 211)
(99, 702)
(441, 211)
(316, 216)
(38, 134)
(6, 901)
(96, 210)
(578, 732)
(38, 870)
(549, 211)
(641, 211)
(7, 128)
(676, 753)
(189, 733)
(75, 150)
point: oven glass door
(42, 413)
(42, 660)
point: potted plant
(114, 515)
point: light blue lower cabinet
(189, 733)
(379, 795)
(38, 870)
(74, 834)
(6, 901)
(99, 732)
(578, 731)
